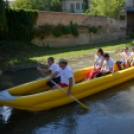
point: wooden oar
(83, 105)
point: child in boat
(97, 64)
(107, 67)
(124, 62)
(131, 58)
(54, 69)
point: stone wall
(112, 29)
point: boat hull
(35, 96)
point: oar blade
(84, 106)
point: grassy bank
(31, 54)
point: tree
(43, 5)
(110, 8)
(55, 5)
(3, 24)
(85, 4)
(29, 4)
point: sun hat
(62, 60)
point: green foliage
(20, 24)
(55, 6)
(110, 8)
(43, 5)
(57, 31)
(85, 4)
(132, 34)
(74, 28)
(3, 24)
(94, 29)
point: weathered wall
(129, 3)
(112, 29)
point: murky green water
(111, 111)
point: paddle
(83, 105)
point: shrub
(57, 31)
(94, 29)
(74, 28)
(20, 23)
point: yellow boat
(36, 96)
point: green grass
(33, 54)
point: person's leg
(118, 63)
(123, 66)
(92, 74)
(99, 74)
(51, 84)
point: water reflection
(111, 110)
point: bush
(57, 31)
(94, 29)
(74, 28)
(20, 24)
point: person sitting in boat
(131, 57)
(124, 62)
(107, 67)
(66, 75)
(97, 64)
(54, 69)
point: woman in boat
(54, 69)
(107, 67)
(97, 64)
(124, 62)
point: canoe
(36, 96)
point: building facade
(130, 14)
(72, 6)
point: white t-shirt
(65, 74)
(125, 55)
(132, 57)
(54, 68)
(108, 64)
(98, 61)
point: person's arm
(70, 86)
(43, 70)
(54, 75)
(120, 53)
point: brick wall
(112, 29)
(55, 18)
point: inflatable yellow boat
(36, 96)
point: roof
(130, 9)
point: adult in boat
(97, 64)
(131, 58)
(54, 69)
(124, 62)
(66, 75)
(107, 67)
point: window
(83, 5)
(77, 6)
(72, 7)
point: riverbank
(33, 54)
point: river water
(111, 111)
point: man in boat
(124, 62)
(54, 69)
(66, 75)
(107, 67)
(131, 57)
